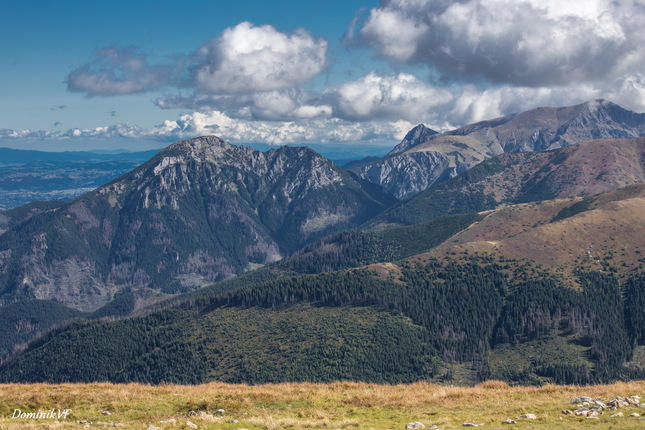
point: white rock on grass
(633, 400)
(528, 417)
(191, 425)
(581, 399)
(415, 425)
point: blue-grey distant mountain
(424, 159)
(13, 157)
(199, 211)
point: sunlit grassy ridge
(311, 406)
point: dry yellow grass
(342, 405)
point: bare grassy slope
(312, 406)
(573, 233)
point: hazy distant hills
(199, 211)
(425, 158)
(27, 176)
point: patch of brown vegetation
(386, 271)
(610, 233)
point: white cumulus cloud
(399, 96)
(519, 42)
(249, 58)
(278, 105)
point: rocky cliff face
(539, 129)
(200, 211)
(409, 173)
(403, 172)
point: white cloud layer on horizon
(441, 111)
(234, 130)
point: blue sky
(99, 74)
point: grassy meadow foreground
(310, 406)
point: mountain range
(514, 251)
(426, 157)
(585, 169)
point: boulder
(581, 399)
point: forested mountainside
(358, 326)
(460, 313)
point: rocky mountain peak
(418, 135)
(425, 157)
(199, 211)
(198, 147)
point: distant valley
(29, 176)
